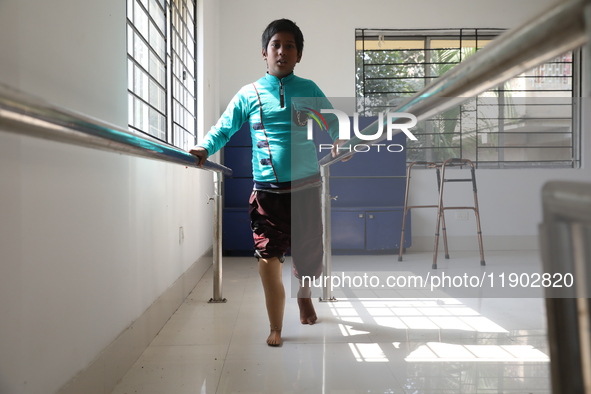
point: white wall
(509, 199)
(88, 239)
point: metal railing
(564, 238)
(27, 115)
(556, 31)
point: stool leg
(434, 266)
(439, 186)
(405, 211)
(477, 215)
(444, 229)
(482, 262)
(439, 215)
(400, 251)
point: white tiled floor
(413, 343)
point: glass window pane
(157, 41)
(130, 111)
(157, 14)
(191, 28)
(191, 9)
(129, 40)
(141, 52)
(140, 115)
(140, 86)
(157, 97)
(157, 69)
(140, 20)
(130, 67)
(155, 123)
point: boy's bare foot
(307, 312)
(274, 338)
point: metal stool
(441, 209)
(428, 164)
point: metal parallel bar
(581, 266)
(564, 240)
(558, 30)
(27, 115)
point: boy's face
(281, 54)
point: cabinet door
(236, 232)
(348, 230)
(237, 192)
(383, 230)
(239, 159)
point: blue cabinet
(368, 229)
(383, 229)
(366, 216)
(236, 231)
(347, 229)
(368, 192)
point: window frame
(170, 68)
(380, 40)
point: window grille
(531, 120)
(161, 46)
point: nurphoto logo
(345, 129)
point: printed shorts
(289, 221)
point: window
(161, 69)
(531, 120)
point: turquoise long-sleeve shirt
(281, 150)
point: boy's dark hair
(285, 26)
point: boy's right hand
(201, 154)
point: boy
(279, 136)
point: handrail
(24, 114)
(27, 115)
(556, 31)
(565, 252)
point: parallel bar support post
(217, 238)
(326, 234)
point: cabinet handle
(371, 216)
(360, 215)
